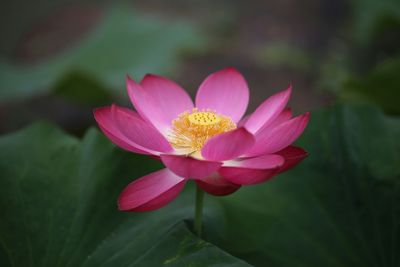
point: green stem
(198, 211)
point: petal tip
(120, 203)
(97, 112)
(128, 78)
(230, 69)
(120, 208)
(130, 82)
(288, 91)
(150, 76)
(306, 116)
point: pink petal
(161, 200)
(189, 167)
(151, 192)
(264, 162)
(269, 141)
(170, 98)
(228, 145)
(158, 100)
(268, 111)
(285, 115)
(293, 155)
(243, 121)
(226, 92)
(139, 131)
(246, 176)
(217, 185)
(108, 126)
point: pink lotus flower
(208, 142)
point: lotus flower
(207, 141)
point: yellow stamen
(192, 129)
(204, 118)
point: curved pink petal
(151, 192)
(140, 99)
(170, 98)
(268, 111)
(246, 176)
(243, 121)
(264, 162)
(139, 131)
(228, 145)
(285, 115)
(158, 100)
(108, 126)
(226, 92)
(217, 185)
(293, 155)
(189, 167)
(269, 141)
(161, 200)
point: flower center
(204, 118)
(191, 130)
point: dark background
(328, 50)
(58, 194)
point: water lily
(208, 141)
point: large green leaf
(58, 208)
(338, 208)
(125, 42)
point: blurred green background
(60, 177)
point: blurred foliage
(364, 67)
(58, 203)
(370, 18)
(123, 43)
(82, 89)
(281, 54)
(338, 208)
(380, 87)
(334, 69)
